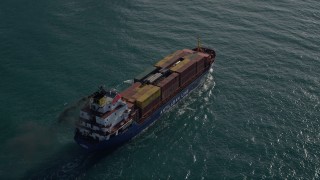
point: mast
(199, 45)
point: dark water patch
(74, 165)
(30, 143)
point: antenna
(199, 44)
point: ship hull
(137, 128)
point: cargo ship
(111, 118)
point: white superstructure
(104, 116)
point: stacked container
(168, 85)
(201, 62)
(172, 58)
(187, 70)
(150, 107)
(200, 66)
(146, 95)
(200, 59)
(130, 91)
(147, 98)
(206, 59)
(189, 51)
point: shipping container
(168, 61)
(187, 70)
(200, 58)
(130, 91)
(170, 90)
(196, 56)
(168, 85)
(189, 51)
(146, 95)
(141, 95)
(203, 54)
(150, 107)
(205, 58)
(143, 75)
(200, 66)
(180, 65)
(192, 57)
(164, 82)
(187, 75)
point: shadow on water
(70, 161)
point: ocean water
(257, 115)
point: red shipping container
(169, 85)
(170, 90)
(203, 54)
(199, 57)
(130, 91)
(200, 66)
(188, 73)
(188, 51)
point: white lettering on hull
(174, 101)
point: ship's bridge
(103, 101)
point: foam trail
(129, 81)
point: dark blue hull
(136, 128)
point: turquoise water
(256, 116)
